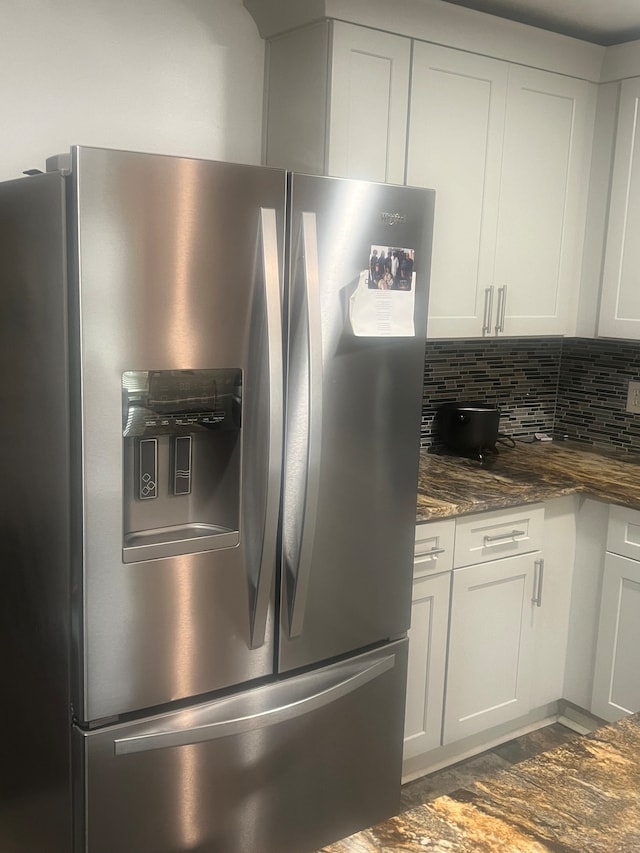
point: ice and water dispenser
(182, 448)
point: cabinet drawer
(492, 535)
(623, 534)
(434, 547)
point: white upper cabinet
(296, 96)
(368, 104)
(543, 201)
(337, 100)
(455, 142)
(620, 303)
(507, 150)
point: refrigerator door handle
(314, 438)
(347, 679)
(262, 591)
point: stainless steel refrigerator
(212, 381)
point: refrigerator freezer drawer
(284, 768)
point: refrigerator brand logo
(393, 218)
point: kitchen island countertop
(530, 472)
(582, 796)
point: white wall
(170, 76)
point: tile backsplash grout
(564, 386)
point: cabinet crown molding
(440, 23)
(621, 62)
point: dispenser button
(147, 468)
(182, 465)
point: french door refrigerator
(210, 425)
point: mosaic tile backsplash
(519, 375)
(592, 392)
(572, 386)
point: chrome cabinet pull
(488, 310)
(502, 307)
(432, 552)
(503, 537)
(425, 556)
(539, 569)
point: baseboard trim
(577, 719)
(445, 756)
(562, 711)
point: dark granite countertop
(529, 472)
(583, 797)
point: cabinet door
(623, 532)
(369, 103)
(543, 198)
(616, 681)
(586, 596)
(296, 94)
(427, 661)
(455, 145)
(336, 100)
(620, 303)
(553, 599)
(490, 645)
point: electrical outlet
(633, 398)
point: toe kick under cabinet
(478, 587)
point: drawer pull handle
(427, 555)
(433, 552)
(503, 537)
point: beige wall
(172, 76)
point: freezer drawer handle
(271, 716)
(262, 591)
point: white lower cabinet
(427, 664)
(428, 636)
(477, 580)
(503, 628)
(490, 644)
(616, 680)
(496, 592)
(553, 599)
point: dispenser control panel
(161, 402)
(182, 456)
